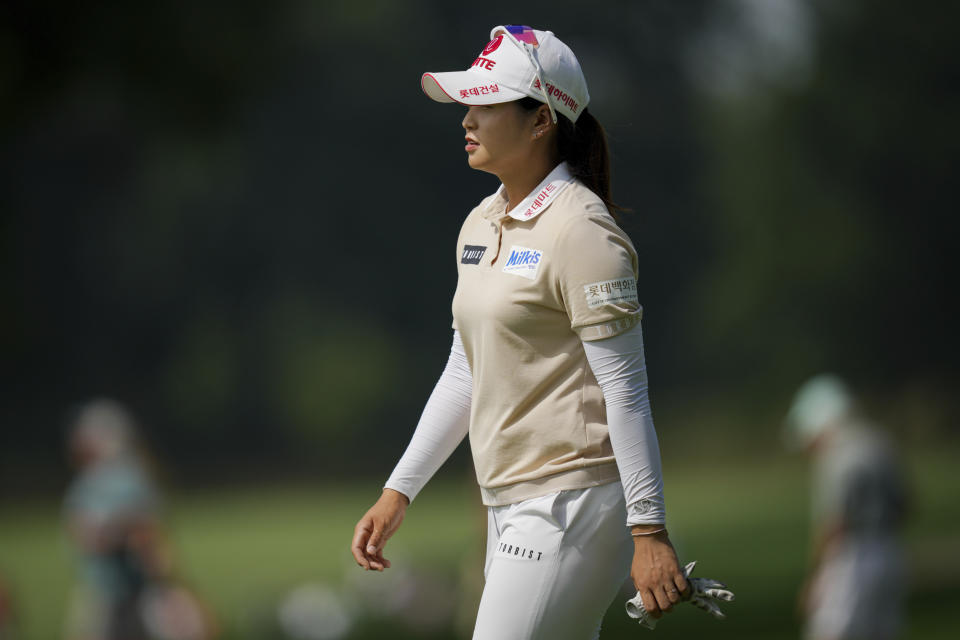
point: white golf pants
(553, 565)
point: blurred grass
(744, 520)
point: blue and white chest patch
(523, 262)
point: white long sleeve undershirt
(619, 367)
(443, 425)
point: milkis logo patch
(472, 254)
(523, 262)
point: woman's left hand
(656, 572)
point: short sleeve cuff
(610, 328)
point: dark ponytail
(583, 146)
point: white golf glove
(704, 592)
(636, 610)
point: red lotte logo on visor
(492, 45)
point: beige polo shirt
(532, 284)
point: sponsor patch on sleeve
(611, 292)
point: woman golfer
(546, 372)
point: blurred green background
(238, 219)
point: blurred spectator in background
(7, 617)
(126, 589)
(856, 584)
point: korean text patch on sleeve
(611, 292)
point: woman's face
(499, 137)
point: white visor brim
(466, 87)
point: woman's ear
(543, 120)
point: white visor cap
(506, 70)
(822, 403)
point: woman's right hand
(375, 528)
(656, 571)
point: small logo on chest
(523, 262)
(472, 254)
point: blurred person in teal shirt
(111, 511)
(857, 580)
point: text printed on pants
(519, 552)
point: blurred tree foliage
(240, 217)
(832, 202)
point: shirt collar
(539, 199)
